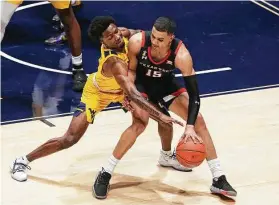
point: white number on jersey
(154, 73)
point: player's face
(112, 37)
(160, 40)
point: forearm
(136, 97)
(194, 98)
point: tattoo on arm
(120, 74)
(143, 103)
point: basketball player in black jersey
(153, 56)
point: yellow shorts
(58, 4)
(64, 4)
(93, 101)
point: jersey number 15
(154, 73)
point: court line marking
(46, 122)
(70, 73)
(265, 7)
(5, 55)
(33, 65)
(32, 5)
(269, 4)
(118, 107)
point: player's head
(162, 32)
(103, 29)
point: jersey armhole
(143, 39)
(178, 47)
(105, 59)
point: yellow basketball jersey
(109, 84)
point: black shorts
(161, 93)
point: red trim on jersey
(177, 48)
(160, 62)
(178, 92)
(143, 39)
(144, 95)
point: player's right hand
(169, 120)
(190, 133)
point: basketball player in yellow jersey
(102, 88)
(71, 26)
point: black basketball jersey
(149, 70)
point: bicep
(134, 47)
(132, 67)
(184, 61)
(132, 56)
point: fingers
(185, 138)
(178, 122)
(195, 140)
(200, 140)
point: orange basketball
(190, 154)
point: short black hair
(165, 24)
(97, 26)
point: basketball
(190, 154)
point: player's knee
(69, 140)
(139, 126)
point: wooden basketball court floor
(244, 127)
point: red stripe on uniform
(144, 95)
(177, 48)
(178, 92)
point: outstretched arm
(119, 71)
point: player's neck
(120, 49)
(159, 54)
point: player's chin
(155, 47)
(121, 44)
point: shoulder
(128, 33)
(136, 42)
(182, 52)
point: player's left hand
(127, 104)
(190, 133)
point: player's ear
(101, 40)
(171, 38)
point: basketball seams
(189, 150)
(190, 154)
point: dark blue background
(240, 35)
